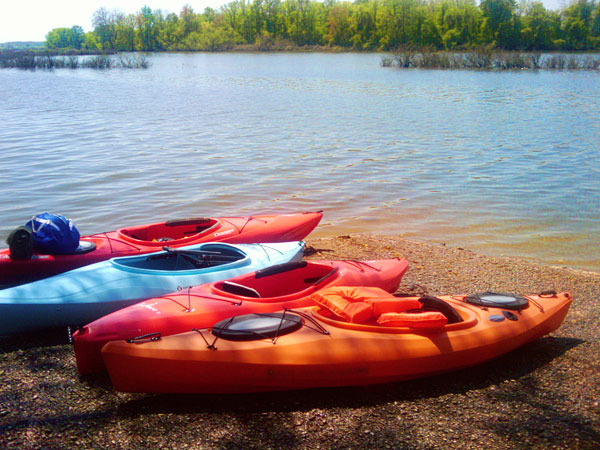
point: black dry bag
(20, 242)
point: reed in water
(32, 60)
(486, 58)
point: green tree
(91, 42)
(233, 15)
(273, 19)
(595, 29)
(339, 25)
(148, 29)
(361, 24)
(106, 26)
(578, 21)
(211, 38)
(431, 33)
(386, 23)
(500, 25)
(62, 38)
(125, 33)
(540, 29)
(363, 27)
(301, 22)
(188, 20)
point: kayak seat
(431, 303)
(239, 289)
(173, 261)
(164, 262)
(363, 304)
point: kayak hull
(349, 355)
(87, 293)
(152, 237)
(204, 305)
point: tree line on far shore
(358, 25)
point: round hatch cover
(252, 327)
(498, 300)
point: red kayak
(272, 289)
(153, 237)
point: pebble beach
(545, 395)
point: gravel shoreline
(545, 395)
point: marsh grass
(485, 58)
(29, 60)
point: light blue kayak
(82, 295)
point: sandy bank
(545, 395)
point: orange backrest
(345, 302)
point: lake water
(499, 163)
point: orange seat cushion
(431, 319)
(390, 304)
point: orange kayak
(314, 347)
(152, 237)
(285, 286)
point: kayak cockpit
(373, 309)
(179, 259)
(278, 283)
(170, 232)
(469, 320)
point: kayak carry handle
(280, 268)
(326, 276)
(188, 221)
(145, 337)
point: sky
(30, 20)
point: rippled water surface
(501, 163)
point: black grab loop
(326, 276)
(188, 221)
(253, 327)
(498, 300)
(280, 268)
(145, 337)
